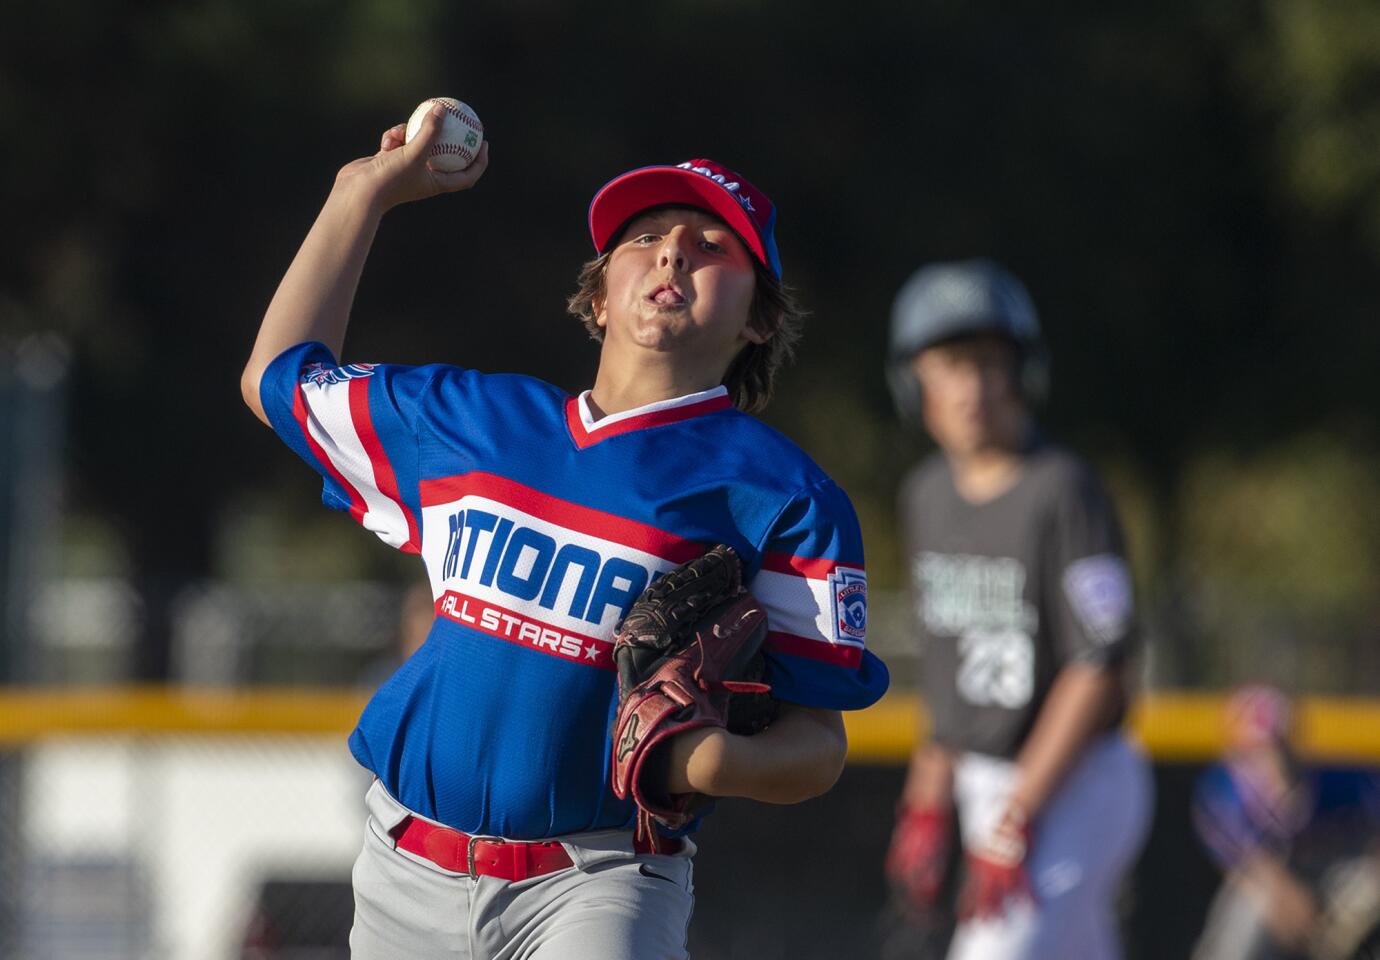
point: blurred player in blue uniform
(1298, 845)
(540, 517)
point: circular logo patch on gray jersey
(1099, 590)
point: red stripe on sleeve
(384, 478)
(811, 567)
(839, 654)
(299, 411)
(563, 513)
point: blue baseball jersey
(1329, 811)
(538, 528)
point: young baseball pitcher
(1024, 609)
(493, 829)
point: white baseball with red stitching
(460, 138)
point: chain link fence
(290, 634)
(227, 846)
(354, 634)
(206, 847)
(181, 847)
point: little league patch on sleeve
(320, 374)
(848, 587)
(1099, 590)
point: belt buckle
(469, 851)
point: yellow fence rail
(1172, 726)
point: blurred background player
(1025, 615)
(1297, 845)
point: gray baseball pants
(1086, 838)
(614, 904)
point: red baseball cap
(699, 183)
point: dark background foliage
(1191, 192)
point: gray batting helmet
(943, 301)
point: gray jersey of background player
(1024, 612)
(1007, 593)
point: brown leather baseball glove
(688, 655)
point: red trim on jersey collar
(657, 418)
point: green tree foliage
(1180, 185)
(1297, 525)
(1286, 544)
(1317, 72)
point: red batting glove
(919, 854)
(996, 872)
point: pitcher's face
(680, 280)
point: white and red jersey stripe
(335, 420)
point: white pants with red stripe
(614, 904)
(1085, 840)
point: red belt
(494, 856)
